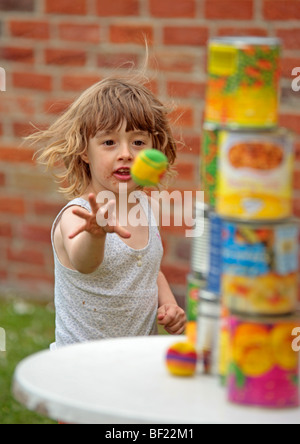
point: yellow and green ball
(149, 167)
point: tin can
(260, 267)
(209, 162)
(224, 343)
(208, 332)
(215, 254)
(200, 242)
(263, 367)
(255, 174)
(243, 82)
(194, 286)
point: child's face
(110, 156)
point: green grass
(29, 329)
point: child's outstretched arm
(84, 242)
(169, 314)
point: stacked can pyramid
(244, 266)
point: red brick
(174, 61)
(281, 9)
(297, 151)
(117, 8)
(131, 33)
(171, 8)
(296, 181)
(186, 171)
(244, 31)
(16, 154)
(12, 205)
(36, 233)
(78, 82)
(30, 29)
(20, 5)
(42, 208)
(25, 255)
(17, 54)
(24, 129)
(229, 9)
(5, 230)
(80, 32)
(287, 65)
(2, 179)
(52, 106)
(70, 7)
(192, 144)
(110, 60)
(35, 278)
(290, 121)
(39, 82)
(186, 89)
(185, 35)
(175, 275)
(183, 117)
(66, 57)
(290, 37)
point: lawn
(29, 329)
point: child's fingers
(93, 203)
(169, 317)
(78, 231)
(81, 213)
(122, 232)
(106, 214)
(176, 329)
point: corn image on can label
(260, 267)
(209, 164)
(243, 82)
(263, 367)
(255, 174)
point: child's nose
(125, 152)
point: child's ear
(84, 156)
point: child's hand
(172, 317)
(97, 223)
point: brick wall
(53, 49)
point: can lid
(246, 40)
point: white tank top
(119, 299)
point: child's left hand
(172, 317)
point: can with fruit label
(243, 82)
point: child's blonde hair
(103, 106)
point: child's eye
(108, 142)
(139, 143)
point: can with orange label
(255, 174)
(263, 365)
(243, 82)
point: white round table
(125, 381)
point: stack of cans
(249, 266)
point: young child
(108, 281)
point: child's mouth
(122, 174)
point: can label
(255, 175)
(260, 267)
(209, 165)
(215, 254)
(192, 301)
(263, 367)
(243, 84)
